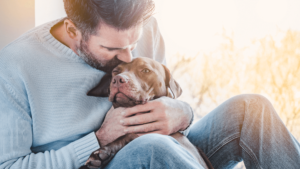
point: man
(47, 121)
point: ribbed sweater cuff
(85, 146)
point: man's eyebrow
(112, 48)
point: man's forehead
(110, 37)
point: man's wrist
(190, 119)
(98, 136)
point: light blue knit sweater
(46, 118)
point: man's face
(109, 47)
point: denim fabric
(245, 127)
(153, 151)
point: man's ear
(102, 88)
(72, 30)
(175, 90)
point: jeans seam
(222, 144)
(250, 153)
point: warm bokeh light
(191, 26)
(16, 17)
(272, 11)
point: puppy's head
(137, 82)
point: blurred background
(215, 49)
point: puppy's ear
(175, 90)
(102, 88)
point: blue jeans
(245, 127)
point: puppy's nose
(119, 80)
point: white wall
(16, 17)
(48, 10)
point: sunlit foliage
(265, 67)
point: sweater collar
(53, 44)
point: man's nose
(125, 56)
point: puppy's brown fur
(135, 83)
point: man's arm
(16, 137)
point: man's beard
(89, 58)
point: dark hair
(120, 14)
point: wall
(48, 10)
(16, 17)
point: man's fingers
(138, 109)
(145, 128)
(139, 119)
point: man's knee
(246, 99)
(245, 103)
(257, 97)
(253, 103)
(256, 100)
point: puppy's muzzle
(119, 80)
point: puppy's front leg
(104, 155)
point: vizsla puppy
(136, 83)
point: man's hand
(166, 116)
(111, 128)
(163, 115)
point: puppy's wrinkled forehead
(139, 64)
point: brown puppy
(131, 84)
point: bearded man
(48, 121)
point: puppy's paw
(99, 158)
(94, 164)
